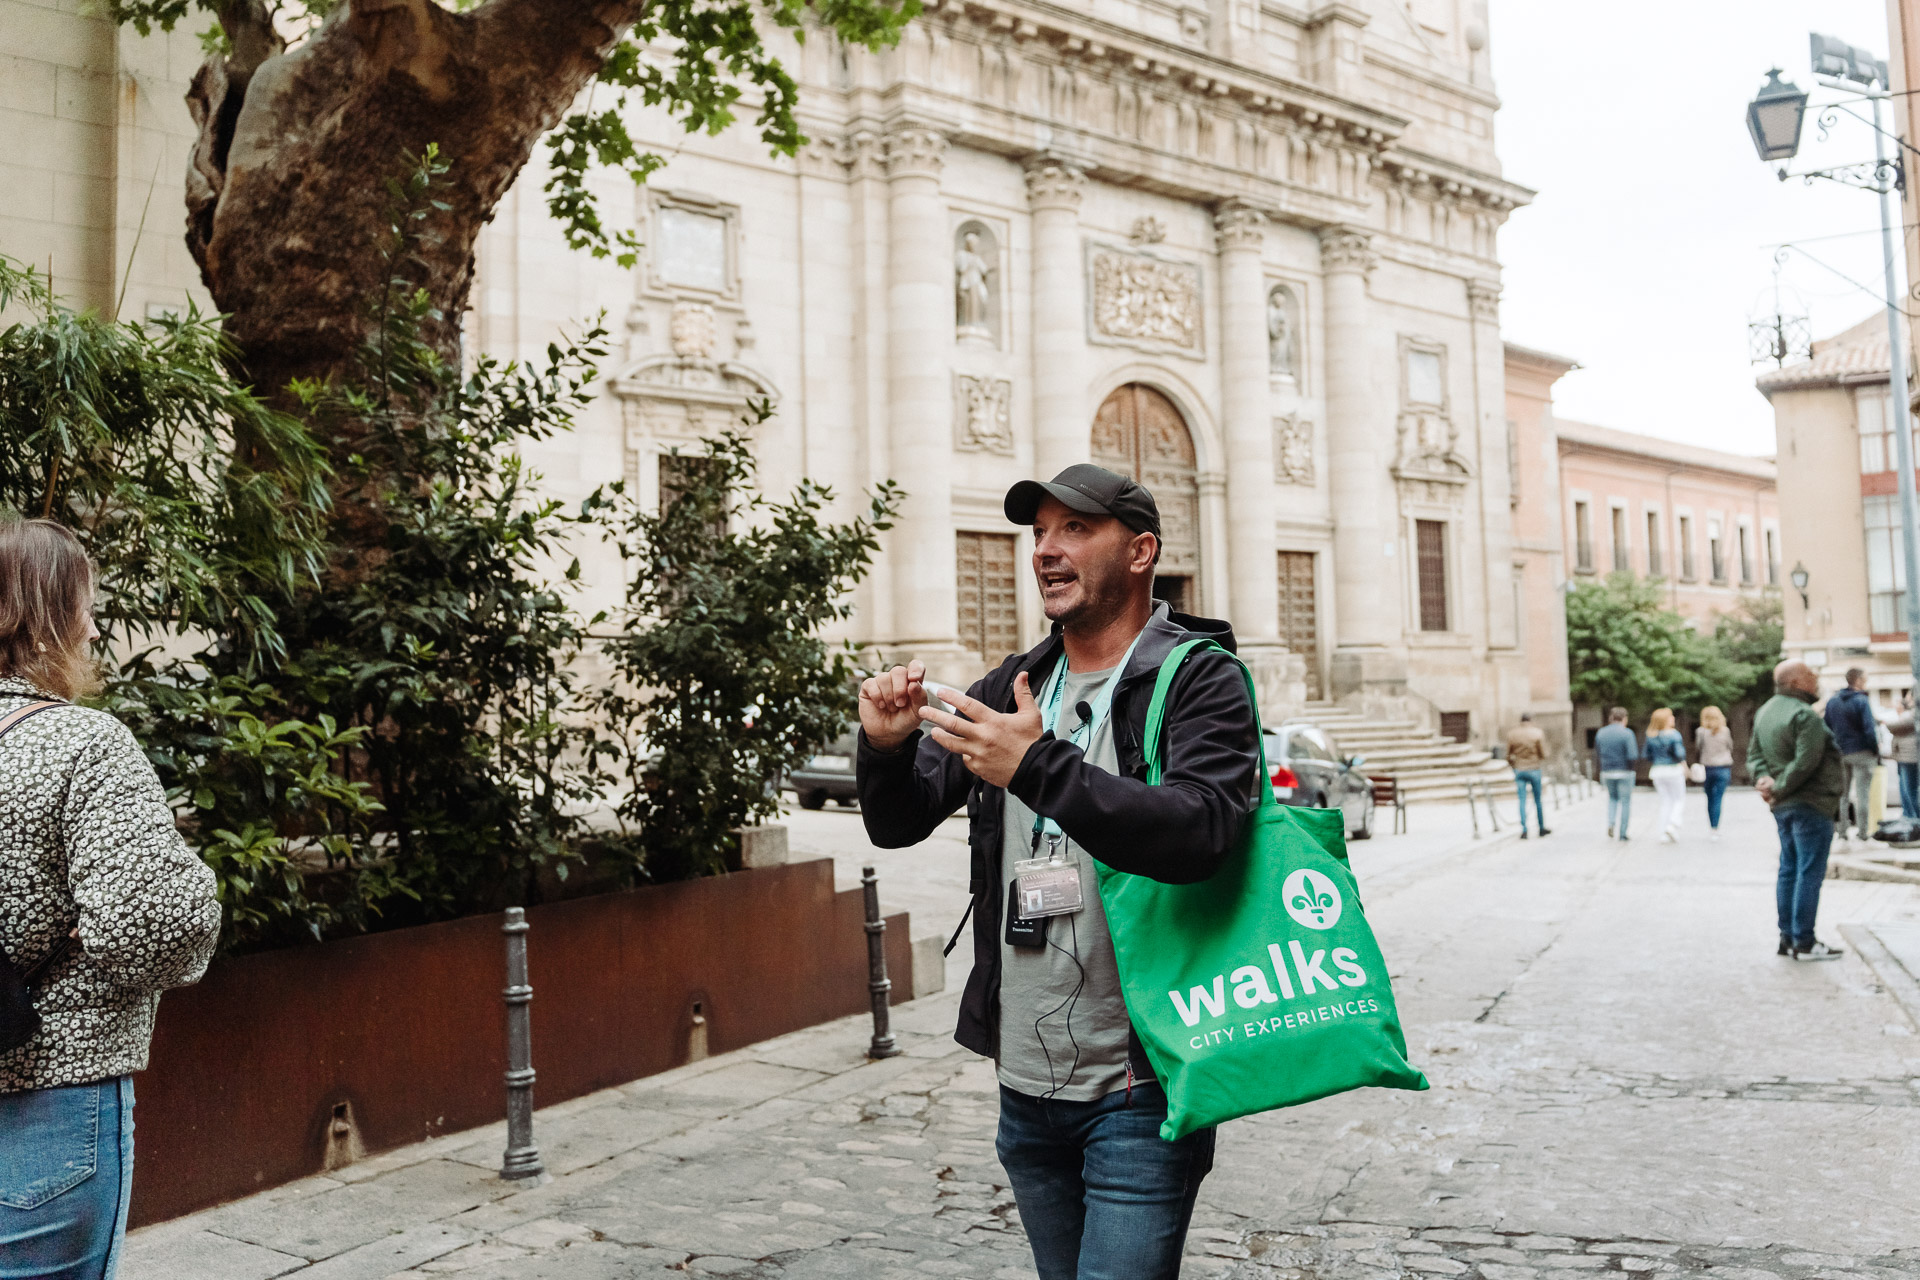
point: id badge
(1047, 888)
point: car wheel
(814, 800)
(1366, 827)
(845, 802)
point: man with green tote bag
(1110, 766)
(1048, 753)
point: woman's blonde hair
(46, 599)
(1712, 719)
(1661, 720)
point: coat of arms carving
(1292, 450)
(982, 414)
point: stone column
(1366, 554)
(1494, 460)
(1062, 420)
(1247, 422)
(920, 397)
(1246, 395)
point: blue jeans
(1805, 837)
(1101, 1195)
(1718, 776)
(66, 1166)
(1522, 779)
(1910, 788)
(1619, 801)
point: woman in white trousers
(1667, 770)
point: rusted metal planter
(253, 1069)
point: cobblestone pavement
(1626, 1080)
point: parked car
(1307, 770)
(827, 775)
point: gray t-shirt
(1063, 1022)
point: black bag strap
(8, 722)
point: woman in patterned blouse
(88, 849)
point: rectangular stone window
(1746, 556)
(1430, 552)
(1773, 558)
(1654, 567)
(1686, 549)
(1583, 537)
(988, 596)
(1716, 552)
(1621, 562)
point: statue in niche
(1280, 333)
(973, 273)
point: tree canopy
(1625, 649)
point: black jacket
(1850, 717)
(1178, 832)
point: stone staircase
(1428, 766)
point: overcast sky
(1648, 248)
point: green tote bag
(1261, 987)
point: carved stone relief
(1137, 300)
(692, 331)
(982, 414)
(1292, 450)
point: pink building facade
(1704, 524)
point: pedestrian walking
(1713, 752)
(1795, 765)
(1667, 769)
(1851, 721)
(1906, 757)
(1618, 750)
(105, 907)
(1527, 753)
(1046, 754)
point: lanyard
(1101, 706)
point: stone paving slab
(1626, 1082)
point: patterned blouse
(86, 837)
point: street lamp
(1800, 578)
(1774, 117)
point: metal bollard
(1473, 812)
(879, 986)
(522, 1159)
(1493, 814)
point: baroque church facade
(1242, 251)
(1245, 250)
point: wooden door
(1140, 433)
(1299, 616)
(988, 578)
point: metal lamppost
(1774, 118)
(1800, 578)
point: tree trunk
(286, 195)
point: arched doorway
(1138, 432)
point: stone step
(1428, 768)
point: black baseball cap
(1093, 490)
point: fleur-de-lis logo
(1319, 904)
(1311, 898)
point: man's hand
(991, 744)
(890, 704)
(1765, 787)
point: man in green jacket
(1796, 767)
